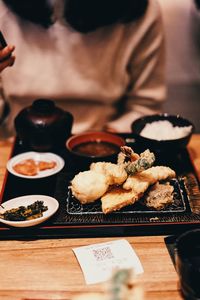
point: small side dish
(35, 165)
(29, 210)
(24, 213)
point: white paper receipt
(98, 261)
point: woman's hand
(6, 57)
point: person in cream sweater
(101, 60)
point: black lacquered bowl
(174, 144)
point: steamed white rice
(164, 130)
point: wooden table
(48, 269)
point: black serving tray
(76, 220)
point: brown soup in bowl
(94, 146)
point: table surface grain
(47, 268)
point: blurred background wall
(182, 31)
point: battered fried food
(134, 188)
(144, 162)
(115, 174)
(89, 186)
(117, 198)
(141, 181)
(127, 152)
(120, 184)
(136, 163)
(159, 196)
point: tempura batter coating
(141, 181)
(115, 174)
(159, 196)
(88, 186)
(117, 198)
(133, 188)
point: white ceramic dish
(37, 156)
(50, 202)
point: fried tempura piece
(127, 152)
(136, 163)
(144, 162)
(26, 167)
(115, 174)
(89, 186)
(141, 181)
(134, 188)
(116, 198)
(45, 165)
(159, 196)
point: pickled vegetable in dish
(25, 213)
(30, 167)
(96, 148)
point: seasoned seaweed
(23, 213)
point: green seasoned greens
(23, 213)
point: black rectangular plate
(76, 220)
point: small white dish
(36, 156)
(50, 202)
